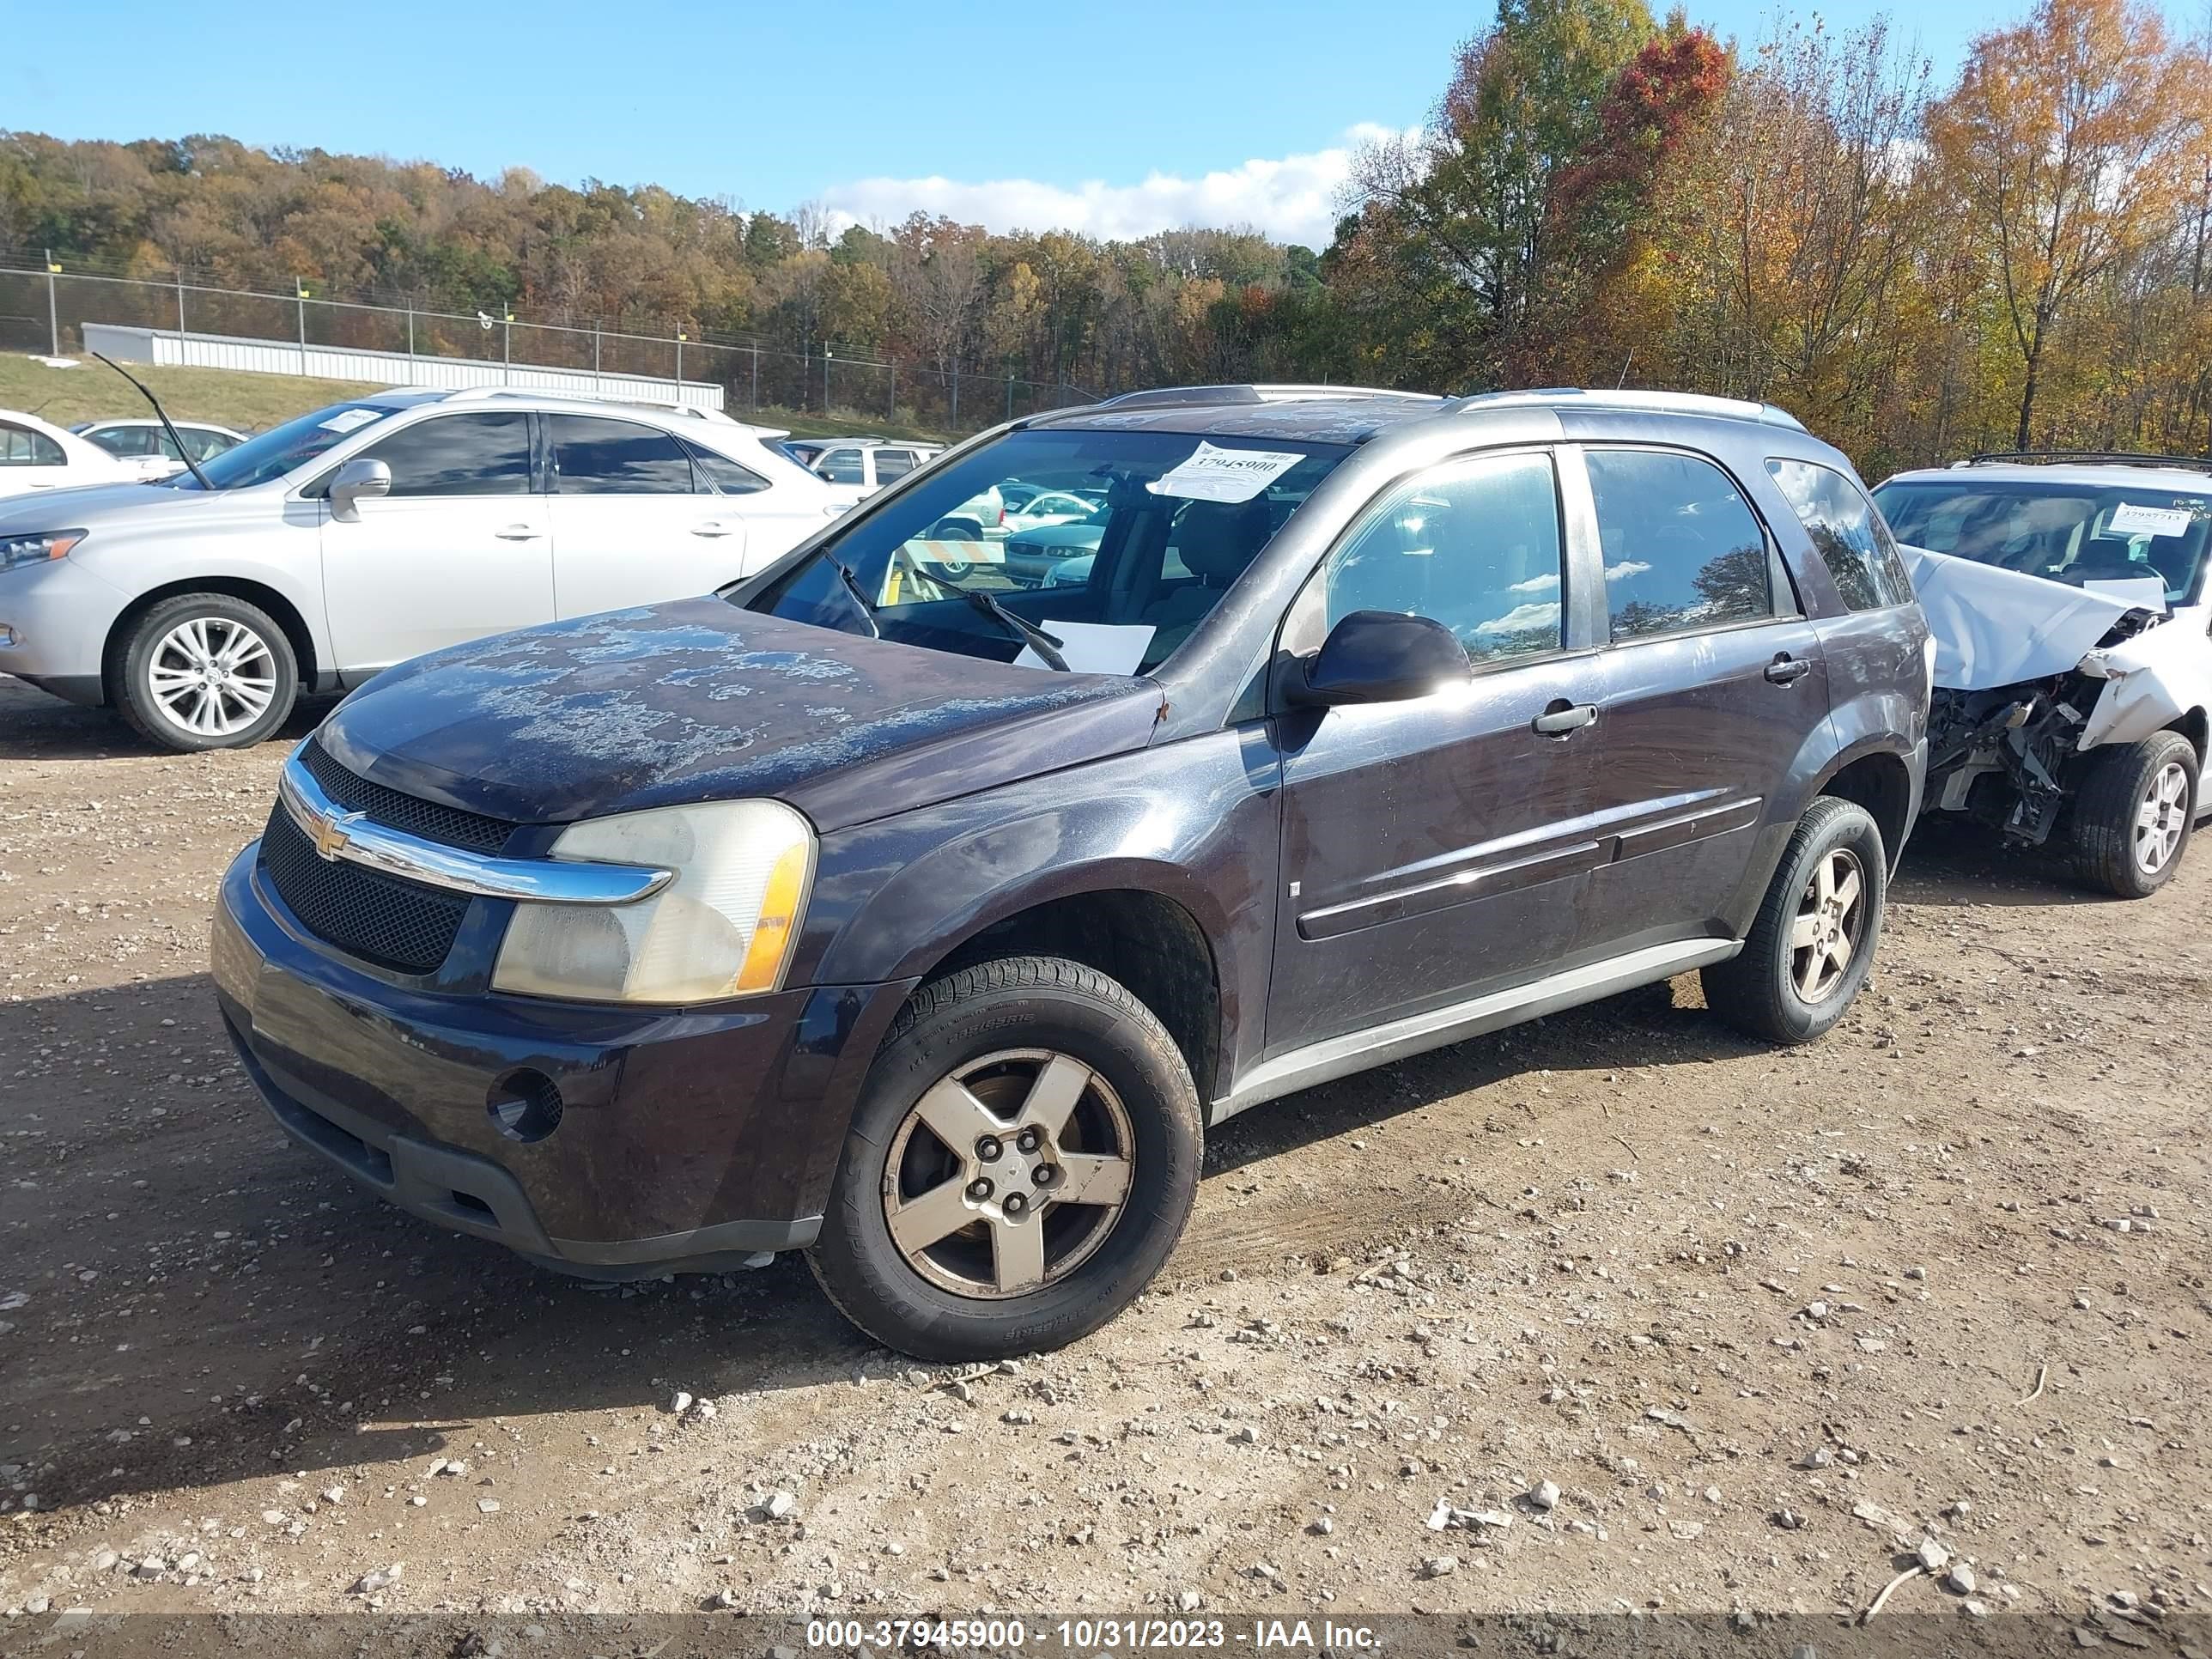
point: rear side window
(1853, 540)
(725, 474)
(1473, 544)
(840, 467)
(124, 440)
(21, 446)
(486, 454)
(893, 463)
(595, 457)
(1683, 550)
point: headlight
(37, 548)
(724, 928)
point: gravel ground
(1614, 1311)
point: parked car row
(911, 869)
(371, 532)
(37, 455)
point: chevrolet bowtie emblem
(329, 834)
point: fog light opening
(525, 1105)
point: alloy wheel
(2161, 818)
(1008, 1174)
(212, 676)
(1830, 914)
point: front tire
(1023, 1159)
(1811, 945)
(2133, 819)
(205, 671)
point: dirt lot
(1722, 1297)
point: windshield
(280, 449)
(2078, 533)
(1179, 518)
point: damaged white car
(2074, 650)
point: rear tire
(1787, 984)
(1030, 1134)
(204, 670)
(2134, 814)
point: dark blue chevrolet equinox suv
(890, 909)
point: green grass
(254, 402)
(246, 402)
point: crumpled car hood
(1998, 628)
(697, 700)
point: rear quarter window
(1851, 536)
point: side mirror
(357, 481)
(1380, 656)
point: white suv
(860, 466)
(372, 531)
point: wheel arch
(1879, 781)
(2197, 728)
(261, 595)
(1151, 943)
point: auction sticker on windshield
(1214, 474)
(2130, 519)
(347, 419)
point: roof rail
(1168, 397)
(1677, 403)
(2085, 457)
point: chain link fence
(45, 304)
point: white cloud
(1294, 198)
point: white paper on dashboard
(1093, 647)
(347, 419)
(1212, 473)
(2131, 519)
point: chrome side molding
(1355, 1051)
(339, 834)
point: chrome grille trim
(338, 834)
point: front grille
(395, 811)
(398, 924)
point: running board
(1342, 1056)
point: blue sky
(1115, 117)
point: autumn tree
(1458, 219)
(2065, 146)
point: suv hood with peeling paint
(697, 700)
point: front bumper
(683, 1139)
(55, 619)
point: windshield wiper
(1047, 645)
(166, 424)
(859, 596)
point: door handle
(518, 532)
(1563, 719)
(1786, 670)
(710, 527)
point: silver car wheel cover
(211, 676)
(1824, 936)
(1008, 1173)
(2161, 818)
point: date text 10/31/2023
(1089, 1636)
